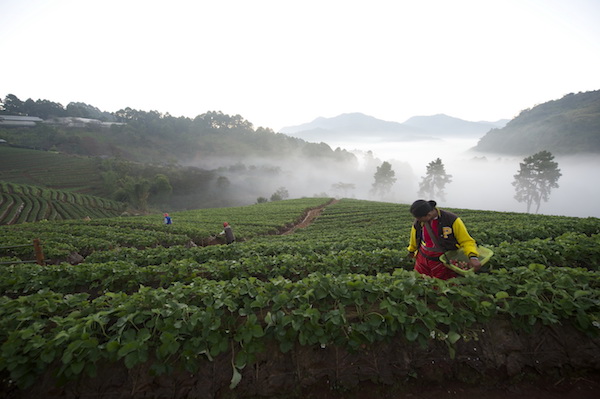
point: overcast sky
(280, 63)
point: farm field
(51, 170)
(128, 306)
(21, 203)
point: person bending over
(434, 232)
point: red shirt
(427, 241)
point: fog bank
(479, 180)
(483, 180)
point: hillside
(157, 161)
(332, 309)
(136, 185)
(21, 203)
(570, 125)
(365, 128)
(152, 137)
(51, 170)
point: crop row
(60, 195)
(184, 324)
(145, 294)
(345, 225)
(391, 222)
(23, 203)
(125, 269)
(61, 238)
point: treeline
(45, 109)
(566, 126)
(151, 136)
(158, 161)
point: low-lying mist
(479, 181)
(483, 180)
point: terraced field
(21, 203)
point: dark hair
(420, 208)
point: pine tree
(384, 180)
(435, 180)
(537, 176)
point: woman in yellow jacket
(434, 232)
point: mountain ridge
(568, 125)
(357, 125)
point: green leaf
(583, 319)
(127, 348)
(76, 367)
(132, 359)
(269, 319)
(286, 346)
(112, 346)
(580, 293)
(47, 355)
(453, 337)
(241, 358)
(411, 333)
(235, 379)
(536, 267)
(452, 352)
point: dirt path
(311, 215)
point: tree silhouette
(435, 180)
(384, 180)
(12, 105)
(538, 175)
(281, 194)
(343, 188)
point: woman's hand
(475, 263)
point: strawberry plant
(144, 297)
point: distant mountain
(353, 122)
(358, 126)
(444, 125)
(351, 127)
(569, 125)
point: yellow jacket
(453, 234)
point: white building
(16, 120)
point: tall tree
(538, 175)
(384, 180)
(435, 180)
(12, 105)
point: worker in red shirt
(228, 232)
